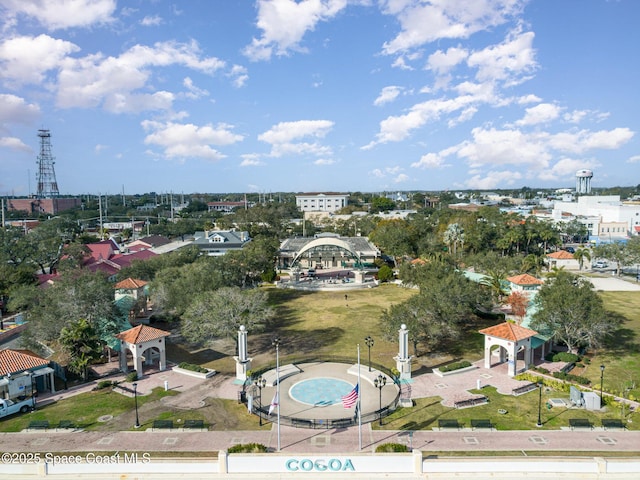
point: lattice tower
(47, 184)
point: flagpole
(276, 342)
(359, 404)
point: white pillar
(403, 360)
(242, 344)
(243, 362)
(163, 355)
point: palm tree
(454, 235)
(495, 280)
(532, 263)
(581, 254)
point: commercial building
(321, 202)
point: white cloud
(634, 159)
(430, 161)
(576, 116)
(181, 141)
(285, 137)
(61, 14)
(324, 161)
(388, 94)
(134, 103)
(492, 180)
(425, 22)
(397, 128)
(442, 62)
(99, 148)
(14, 109)
(14, 143)
(251, 160)
(510, 62)
(504, 147)
(285, 22)
(542, 113)
(239, 76)
(584, 140)
(193, 91)
(565, 169)
(528, 99)
(401, 178)
(26, 59)
(94, 79)
(151, 21)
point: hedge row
(455, 366)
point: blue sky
(319, 95)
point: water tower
(583, 182)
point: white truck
(7, 407)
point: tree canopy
(221, 313)
(571, 312)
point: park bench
(613, 424)
(163, 424)
(580, 423)
(194, 424)
(471, 402)
(481, 424)
(38, 424)
(66, 424)
(524, 389)
(449, 424)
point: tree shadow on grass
(179, 352)
(623, 340)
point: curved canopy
(320, 245)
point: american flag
(274, 403)
(351, 398)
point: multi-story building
(321, 202)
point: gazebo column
(138, 363)
(528, 357)
(122, 356)
(163, 356)
(53, 385)
(487, 352)
(511, 366)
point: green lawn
(84, 409)
(621, 356)
(324, 324)
(522, 413)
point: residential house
(561, 259)
(219, 242)
(22, 373)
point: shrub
(104, 384)
(572, 378)
(192, 367)
(392, 447)
(562, 357)
(540, 370)
(455, 366)
(131, 377)
(247, 448)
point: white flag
(274, 403)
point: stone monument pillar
(403, 360)
(243, 362)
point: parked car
(570, 249)
(600, 264)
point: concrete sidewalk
(298, 440)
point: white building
(608, 208)
(321, 202)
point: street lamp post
(380, 382)
(369, 343)
(135, 399)
(601, 384)
(276, 343)
(260, 383)
(539, 424)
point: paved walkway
(451, 388)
